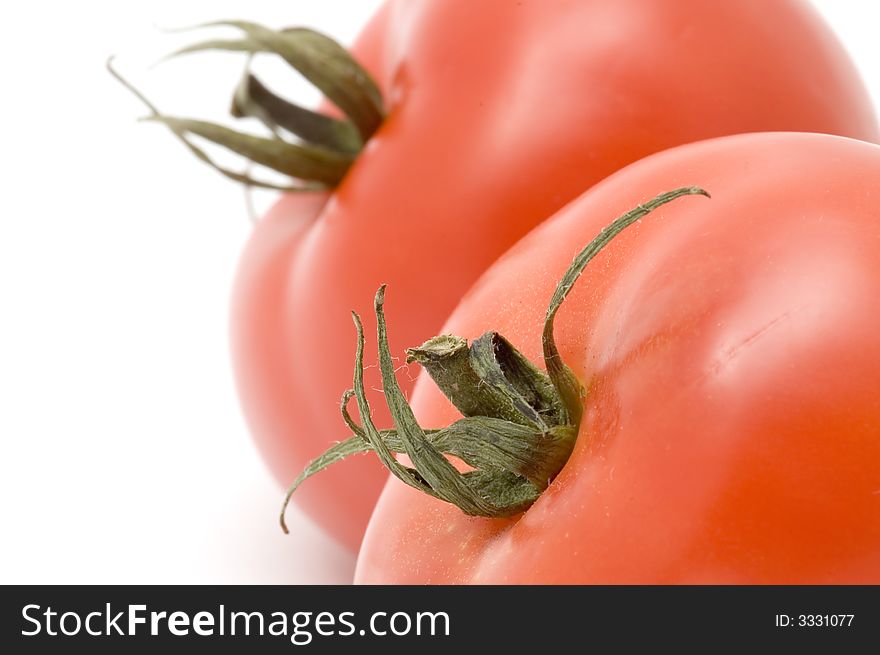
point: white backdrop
(124, 456)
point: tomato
(731, 361)
(499, 113)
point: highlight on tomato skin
(730, 359)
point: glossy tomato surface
(731, 357)
(499, 113)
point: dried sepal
(520, 424)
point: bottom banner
(398, 619)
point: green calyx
(313, 149)
(519, 423)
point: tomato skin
(730, 352)
(492, 127)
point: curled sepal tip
(566, 383)
(519, 423)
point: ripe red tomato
(731, 358)
(498, 114)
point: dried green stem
(321, 60)
(520, 424)
(253, 98)
(324, 147)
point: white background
(124, 456)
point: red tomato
(730, 353)
(498, 114)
